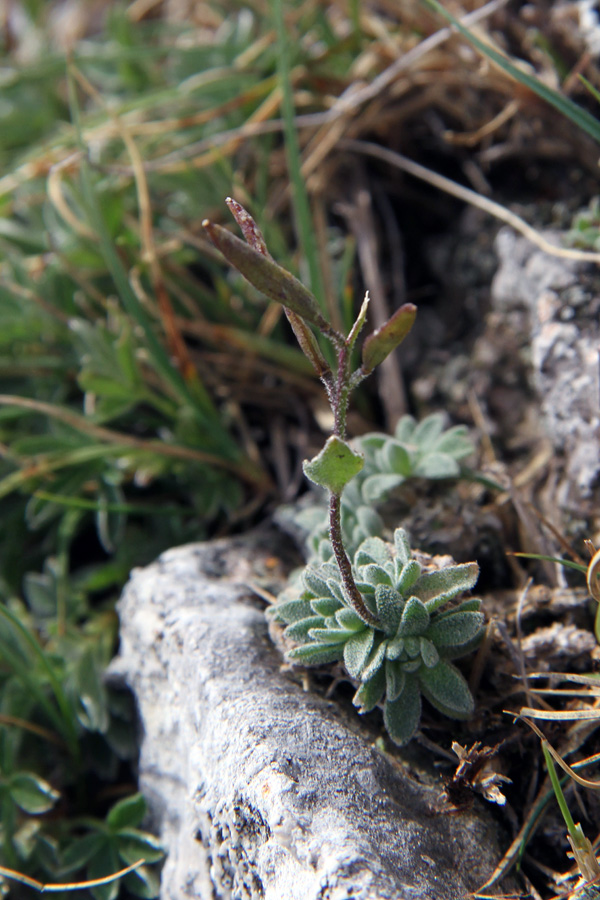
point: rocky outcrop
(258, 788)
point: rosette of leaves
(408, 653)
(416, 450)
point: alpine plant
(407, 654)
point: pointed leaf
(376, 487)
(127, 813)
(298, 631)
(428, 430)
(381, 342)
(436, 465)
(315, 582)
(105, 862)
(389, 607)
(407, 576)
(325, 606)
(356, 651)
(370, 692)
(359, 323)
(143, 882)
(79, 852)
(428, 652)
(395, 679)
(395, 649)
(402, 716)
(375, 661)
(334, 466)
(369, 521)
(374, 575)
(316, 654)
(31, 793)
(373, 550)
(396, 458)
(447, 690)
(307, 342)
(349, 619)
(456, 442)
(405, 429)
(455, 629)
(335, 589)
(435, 588)
(91, 701)
(266, 276)
(134, 845)
(329, 635)
(402, 546)
(292, 611)
(415, 619)
(249, 228)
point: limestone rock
(563, 303)
(257, 788)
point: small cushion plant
(379, 614)
(407, 653)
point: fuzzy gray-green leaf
(328, 635)
(447, 690)
(325, 606)
(348, 619)
(405, 429)
(402, 716)
(402, 547)
(373, 550)
(356, 651)
(375, 575)
(334, 466)
(455, 442)
(395, 648)
(428, 430)
(406, 575)
(316, 654)
(435, 588)
(291, 611)
(335, 589)
(298, 631)
(395, 679)
(396, 458)
(428, 652)
(437, 465)
(455, 629)
(389, 607)
(375, 661)
(370, 692)
(415, 618)
(314, 582)
(376, 487)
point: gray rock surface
(257, 788)
(562, 298)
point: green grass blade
(579, 116)
(199, 401)
(65, 721)
(304, 224)
(567, 563)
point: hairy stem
(335, 533)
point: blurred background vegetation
(149, 396)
